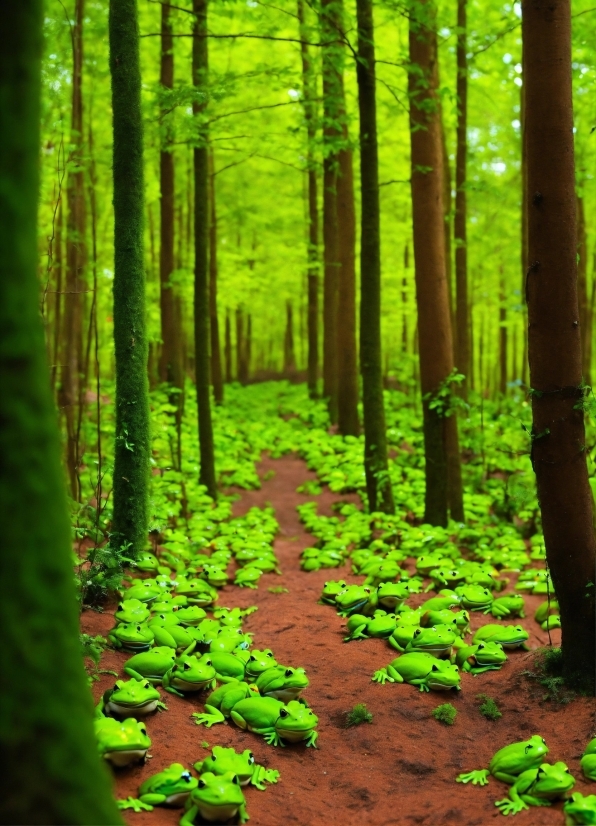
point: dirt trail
(400, 769)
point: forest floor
(399, 769)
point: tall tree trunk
(309, 86)
(378, 482)
(447, 217)
(347, 359)
(132, 442)
(228, 348)
(239, 342)
(435, 341)
(201, 233)
(247, 352)
(52, 773)
(582, 284)
(58, 269)
(216, 372)
(462, 316)
(558, 440)
(502, 337)
(170, 367)
(404, 302)
(587, 353)
(524, 214)
(289, 354)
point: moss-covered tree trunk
(378, 484)
(51, 771)
(554, 333)
(216, 371)
(201, 232)
(228, 347)
(132, 443)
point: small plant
(488, 708)
(269, 475)
(278, 589)
(549, 674)
(359, 714)
(91, 649)
(445, 713)
(311, 488)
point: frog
(389, 571)
(545, 609)
(214, 575)
(129, 698)
(243, 765)
(512, 605)
(122, 742)
(436, 640)
(380, 626)
(282, 682)
(588, 761)
(189, 674)
(551, 622)
(151, 665)
(392, 595)
(228, 639)
(131, 611)
(206, 631)
(233, 617)
(131, 636)
(247, 577)
(171, 634)
(276, 721)
(197, 592)
(229, 665)
(474, 597)
(458, 621)
(510, 636)
(444, 577)
(580, 810)
(537, 787)
(258, 662)
(146, 562)
(421, 669)
(217, 799)
(485, 656)
(331, 589)
(410, 616)
(484, 579)
(266, 563)
(170, 787)
(401, 636)
(221, 701)
(445, 599)
(168, 602)
(356, 599)
(191, 615)
(509, 762)
(145, 591)
(429, 562)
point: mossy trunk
(132, 442)
(378, 483)
(201, 231)
(51, 770)
(216, 371)
(228, 347)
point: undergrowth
(488, 707)
(445, 713)
(548, 673)
(359, 714)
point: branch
(248, 35)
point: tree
(289, 354)
(201, 234)
(378, 483)
(434, 323)
(216, 370)
(52, 773)
(554, 333)
(132, 442)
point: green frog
(197, 592)
(258, 662)
(420, 669)
(445, 577)
(356, 599)
(458, 621)
(509, 636)
(512, 605)
(170, 787)
(189, 674)
(474, 597)
(429, 562)
(248, 577)
(131, 611)
(229, 666)
(223, 700)
(191, 615)
(545, 609)
(580, 810)
(217, 799)
(129, 698)
(143, 590)
(509, 762)
(146, 562)
(228, 639)
(282, 682)
(436, 640)
(446, 599)
(243, 765)
(214, 575)
(151, 665)
(485, 656)
(168, 633)
(387, 572)
(401, 636)
(121, 742)
(537, 787)
(331, 589)
(131, 636)
(588, 761)
(380, 626)
(267, 564)
(392, 595)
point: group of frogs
(162, 622)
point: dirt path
(398, 770)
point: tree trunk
(404, 302)
(347, 359)
(554, 342)
(239, 343)
(310, 91)
(228, 348)
(582, 286)
(502, 337)
(462, 316)
(447, 207)
(132, 442)
(524, 215)
(378, 482)
(52, 773)
(289, 355)
(435, 341)
(201, 234)
(247, 354)
(216, 372)
(58, 269)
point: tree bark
(201, 234)
(524, 215)
(216, 372)
(378, 482)
(404, 302)
(58, 269)
(582, 287)
(289, 354)
(247, 355)
(503, 355)
(132, 442)
(228, 348)
(435, 340)
(554, 342)
(239, 343)
(462, 315)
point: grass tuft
(488, 707)
(278, 589)
(359, 714)
(548, 673)
(445, 713)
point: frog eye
(251, 659)
(435, 668)
(283, 712)
(481, 646)
(251, 758)
(143, 729)
(185, 776)
(288, 672)
(269, 653)
(417, 632)
(138, 627)
(202, 784)
(186, 666)
(116, 686)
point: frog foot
(510, 807)
(273, 738)
(135, 804)
(477, 778)
(311, 740)
(161, 706)
(382, 677)
(207, 720)
(262, 776)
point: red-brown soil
(401, 768)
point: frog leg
(358, 634)
(170, 688)
(421, 682)
(135, 804)
(505, 778)
(242, 813)
(381, 676)
(153, 798)
(396, 645)
(482, 669)
(478, 777)
(268, 732)
(311, 740)
(261, 775)
(132, 673)
(213, 716)
(513, 805)
(114, 642)
(535, 801)
(188, 818)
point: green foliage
(548, 673)
(488, 707)
(358, 715)
(91, 649)
(445, 713)
(445, 401)
(278, 589)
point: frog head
(294, 721)
(189, 673)
(581, 810)
(218, 797)
(443, 676)
(388, 571)
(435, 640)
(121, 742)
(215, 575)
(446, 575)
(146, 561)
(227, 639)
(175, 783)
(223, 760)
(392, 595)
(145, 591)
(131, 610)
(133, 636)
(165, 619)
(133, 695)
(197, 592)
(331, 589)
(428, 562)
(258, 662)
(474, 597)
(490, 653)
(552, 781)
(352, 599)
(282, 682)
(192, 615)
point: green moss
(358, 715)
(488, 707)
(548, 673)
(278, 589)
(445, 713)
